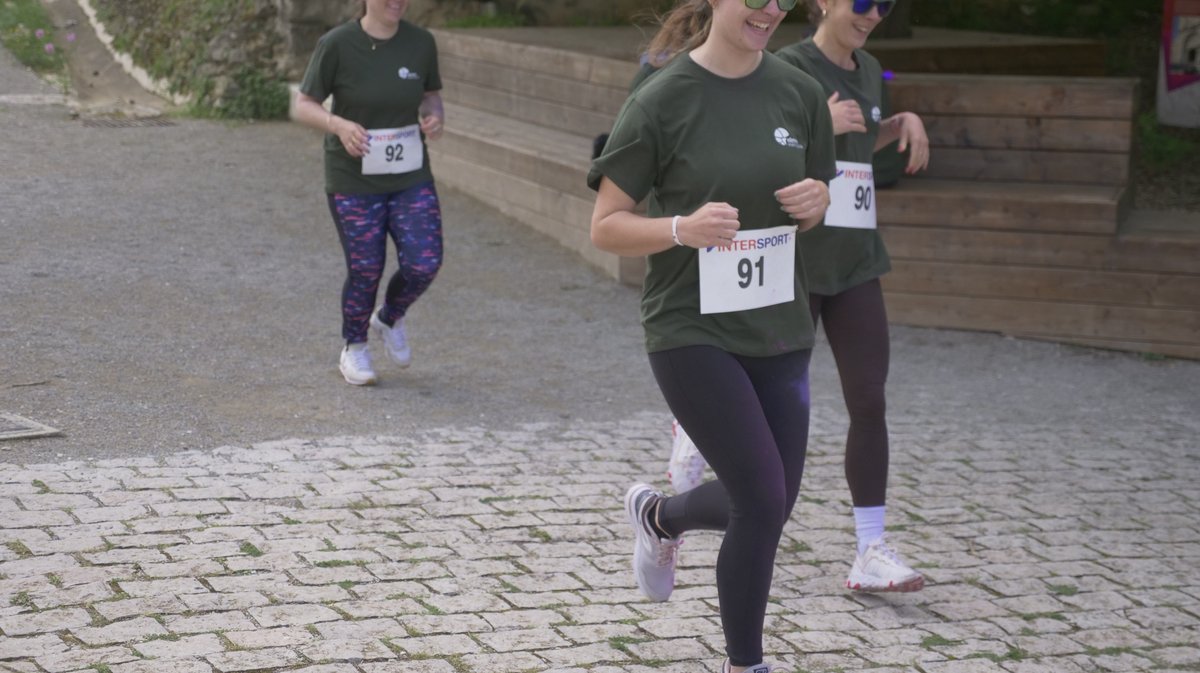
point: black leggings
(749, 419)
(857, 328)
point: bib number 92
(394, 152)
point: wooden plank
(1013, 96)
(1033, 133)
(1076, 60)
(538, 86)
(1068, 251)
(1113, 288)
(1013, 206)
(1059, 320)
(508, 104)
(558, 62)
(1092, 168)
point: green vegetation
(184, 58)
(26, 31)
(483, 21)
(249, 549)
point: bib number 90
(862, 197)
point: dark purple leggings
(857, 328)
(413, 219)
(749, 419)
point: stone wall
(199, 47)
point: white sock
(868, 525)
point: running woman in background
(845, 258)
(382, 72)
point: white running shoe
(395, 340)
(355, 365)
(653, 557)
(757, 668)
(880, 569)
(686, 467)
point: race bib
(757, 269)
(852, 197)
(394, 151)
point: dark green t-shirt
(379, 85)
(838, 258)
(687, 137)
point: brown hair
(682, 29)
(815, 14)
(362, 8)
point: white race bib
(757, 269)
(394, 151)
(852, 197)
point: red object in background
(1181, 42)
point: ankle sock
(869, 525)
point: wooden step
(1139, 254)
(1013, 206)
(1015, 96)
(566, 63)
(1128, 328)
(1101, 288)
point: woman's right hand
(711, 224)
(354, 137)
(847, 116)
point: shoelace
(887, 552)
(360, 359)
(665, 552)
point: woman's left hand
(431, 126)
(804, 200)
(913, 138)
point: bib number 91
(746, 270)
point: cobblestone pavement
(466, 549)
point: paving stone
(183, 647)
(171, 666)
(253, 660)
(209, 622)
(76, 659)
(128, 630)
(45, 622)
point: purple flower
(49, 47)
(39, 33)
(70, 37)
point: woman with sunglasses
(734, 149)
(845, 258)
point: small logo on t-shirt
(405, 73)
(784, 138)
(876, 114)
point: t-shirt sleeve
(433, 80)
(318, 77)
(630, 158)
(822, 153)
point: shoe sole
(915, 584)
(361, 382)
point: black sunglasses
(864, 6)
(784, 5)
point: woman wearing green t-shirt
(734, 149)
(382, 72)
(845, 258)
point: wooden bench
(1018, 227)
